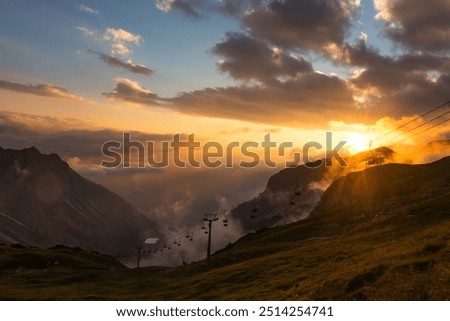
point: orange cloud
(46, 90)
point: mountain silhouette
(43, 202)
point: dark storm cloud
(45, 90)
(307, 24)
(130, 91)
(127, 65)
(417, 24)
(248, 58)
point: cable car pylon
(210, 218)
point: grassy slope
(374, 241)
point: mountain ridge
(371, 188)
(278, 204)
(43, 202)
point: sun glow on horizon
(357, 142)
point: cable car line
(418, 126)
(413, 120)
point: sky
(75, 74)
(296, 64)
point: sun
(358, 142)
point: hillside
(58, 268)
(379, 234)
(278, 204)
(379, 186)
(43, 203)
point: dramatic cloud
(391, 73)
(417, 24)
(89, 10)
(247, 58)
(45, 90)
(307, 24)
(401, 85)
(279, 87)
(306, 100)
(130, 91)
(363, 55)
(416, 97)
(128, 65)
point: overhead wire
(411, 129)
(413, 120)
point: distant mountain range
(43, 203)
